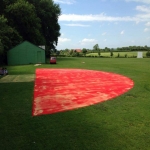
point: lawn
(115, 54)
(122, 123)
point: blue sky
(108, 23)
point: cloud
(142, 1)
(77, 25)
(63, 39)
(147, 24)
(87, 41)
(146, 29)
(99, 17)
(122, 32)
(104, 33)
(143, 9)
(143, 15)
(65, 1)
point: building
(25, 53)
(78, 50)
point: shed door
(39, 57)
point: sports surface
(58, 90)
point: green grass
(115, 54)
(122, 123)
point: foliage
(84, 51)
(1, 47)
(71, 52)
(9, 37)
(148, 54)
(48, 12)
(111, 54)
(118, 55)
(32, 20)
(97, 49)
(22, 16)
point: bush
(148, 54)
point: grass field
(115, 54)
(122, 123)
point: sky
(108, 23)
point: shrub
(125, 55)
(148, 54)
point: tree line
(98, 50)
(33, 20)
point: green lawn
(115, 54)
(122, 123)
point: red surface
(59, 90)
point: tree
(1, 48)
(22, 16)
(71, 52)
(148, 54)
(9, 38)
(48, 12)
(97, 49)
(57, 53)
(35, 20)
(118, 55)
(111, 54)
(84, 51)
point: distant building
(78, 50)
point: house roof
(78, 50)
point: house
(78, 50)
(25, 53)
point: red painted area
(59, 90)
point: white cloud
(77, 25)
(87, 41)
(143, 9)
(105, 40)
(99, 17)
(122, 32)
(143, 15)
(65, 1)
(146, 29)
(63, 39)
(142, 1)
(147, 24)
(104, 33)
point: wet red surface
(57, 90)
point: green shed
(25, 53)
